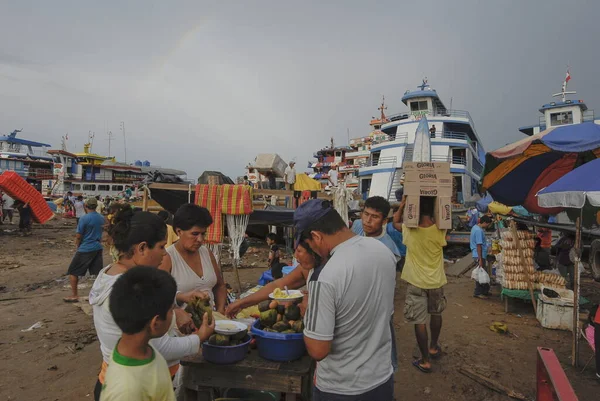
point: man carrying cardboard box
(424, 272)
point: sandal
(417, 364)
(437, 354)
(71, 300)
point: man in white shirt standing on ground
(350, 303)
(290, 176)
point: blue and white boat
(453, 139)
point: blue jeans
(384, 392)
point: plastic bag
(480, 275)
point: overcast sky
(208, 85)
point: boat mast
(564, 91)
(124, 140)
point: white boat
(453, 139)
(562, 112)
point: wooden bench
(202, 380)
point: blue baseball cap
(309, 212)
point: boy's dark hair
(426, 206)
(163, 214)
(272, 236)
(245, 177)
(190, 215)
(329, 224)
(379, 204)
(80, 197)
(485, 219)
(129, 228)
(140, 294)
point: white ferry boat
(453, 139)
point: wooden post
(575, 348)
(145, 199)
(515, 235)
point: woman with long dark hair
(140, 239)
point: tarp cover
(572, 189)
(221, 178)
(515, 173)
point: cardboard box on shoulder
(442, 213)
(436, 167)
(429, 179)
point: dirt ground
(60, 360)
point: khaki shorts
(421, 303)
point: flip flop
(70, 300)
(417, 364)
(438, 353)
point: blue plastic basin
(225, 355)
(278, 347)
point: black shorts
(86, 261)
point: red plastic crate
(17, 188)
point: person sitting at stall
(564, 263)
(275, 264)
(308, 262)
(192, 264)
(540, 256)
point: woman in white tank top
(191, 264)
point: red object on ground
(552, 383)
(19, 189)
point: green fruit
(222, 340)
(292, 312)
(289, 331)
(269, 330)
(280, 309)
(298, 326)
(264, 306)
(212, 340)
(268, 318)
(281, 326)
(239, 336)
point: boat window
(418, 106)
(89, 187)
(103, 187)
(76, 187)
(561, 118)
(117, 187)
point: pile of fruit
(228, 341)
(198, 308)
(276, 318)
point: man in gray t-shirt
(350, 303)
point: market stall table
(253, 373)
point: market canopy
(514, 174)
(574, 189)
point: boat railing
(40, 173)
(438, 112)
(399, 137)
(382, 161)
(454, 159)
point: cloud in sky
(209, 85)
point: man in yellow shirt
(424, 272)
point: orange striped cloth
(237, 199)
(209, 196)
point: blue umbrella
(574, 188)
